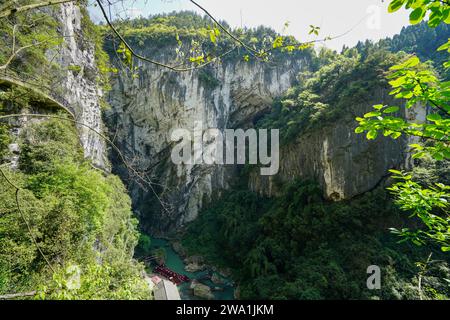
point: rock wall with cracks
(80, 89)
(146, 110)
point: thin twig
(9, 12)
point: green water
(175, 263)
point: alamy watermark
(374, 280)
(228, 146)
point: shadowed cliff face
(146, 110)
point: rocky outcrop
(344, 163)
(201, 290)
(76, 91)
(80, 90)
(146, 110)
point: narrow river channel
(174, 262)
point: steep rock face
(146, 110)
(344, 163)
(76, 91)
(80, 90)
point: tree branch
(243, 44)
(28, 7)
(17, 295)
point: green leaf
(372, 114)
(445, 46)
(445, 249)
(417, 15)
(359, 130)
(396, 135)
(372, 134)
(278, 42)
(212, 36)
(397, 82)
(434, 117)
(391, 110)
(411, 62)
(418, 155)
(447, 16)
(435, 19)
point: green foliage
(419, 86)
(299, 246)
(188, 38)
(428, 204)
(46, 143)
(438, 11)
(4, 132)
(4, 138)
(79, 217)
(36, 32)
(95, 36)
(95, 282)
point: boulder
(178, 248)
(194, 267)
(216, 279)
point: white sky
(362, 19)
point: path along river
(174, 262)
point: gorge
(307, 232)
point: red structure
(171, 275)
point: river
(176, 263)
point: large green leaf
(395, 5)
(417, 15)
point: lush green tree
(299, 246)
(65, 216)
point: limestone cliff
(81, 91)
(147, 108)
(344, 163)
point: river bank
(206, 282)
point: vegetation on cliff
(299, 246)
(80, 219)
(342, 82)
(66, 228)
